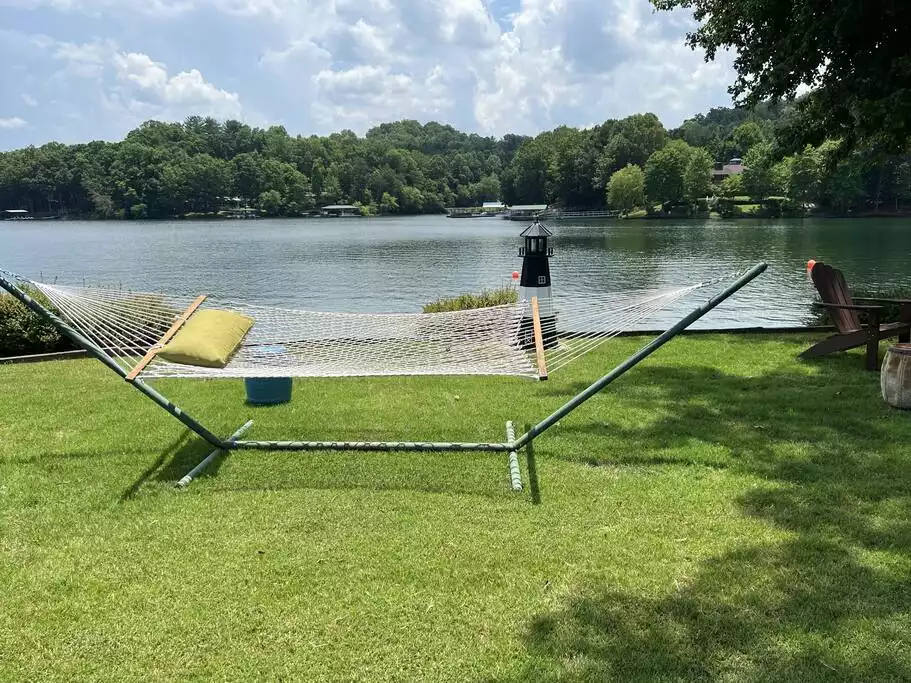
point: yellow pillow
(208, 338)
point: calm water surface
(397, 264)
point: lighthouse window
(532, 245)
(542, 279)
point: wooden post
(539, 339)
(150, 354)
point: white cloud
(165, 8)
(551, 62)
(142, 88)
(148, 81)
(590, 60)
(12, 122)
(162, 7)
(321, 65)
(365, 95)
(29, 100)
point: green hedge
(22, 332)
(464, 302)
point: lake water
(397, 264)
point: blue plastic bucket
(266, 391)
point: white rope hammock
(125, 325)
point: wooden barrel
(895, 377)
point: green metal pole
(640, 355)
(81, 341)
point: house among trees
(722, 171)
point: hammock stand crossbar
(511, 445)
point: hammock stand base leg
(515, 475)
(192, 474)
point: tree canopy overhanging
(854, 55)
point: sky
(79, 70)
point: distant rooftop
(15, 211)
(493, 205)
(338, 207)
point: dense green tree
(317, 171)
(197, 183)
(271, 202)
(626, 188)
(744, 137)
(804, 176)
(564, 182)
(714, 130)
(388, 203)
(901, 180)
(732, 186)
(841, 187)
(332, 191)
(665, 171)
(697, 178)
(487, 189)
(527, 181)
(411, 200)
(758, 179)
(247, 170)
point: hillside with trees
(163, 170)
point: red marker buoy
(515, 275)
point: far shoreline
(553, 219)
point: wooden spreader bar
(150, 354)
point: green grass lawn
(722, 512)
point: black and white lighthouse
(535, 282)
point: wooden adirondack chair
(845, 313)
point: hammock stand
(511, 445)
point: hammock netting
(125, 325)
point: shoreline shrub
(464, 302)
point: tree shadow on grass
(802, 610)
(751, 418)
(835, 454)
(837, 473)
